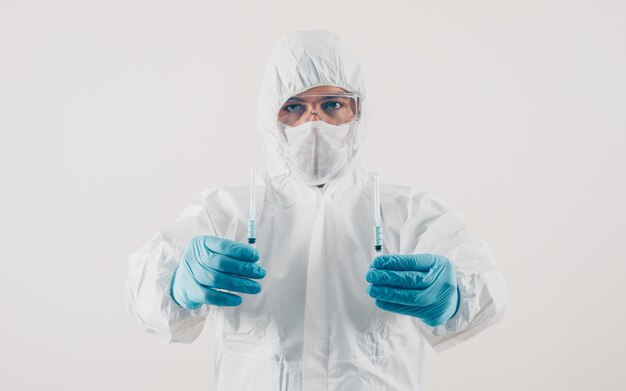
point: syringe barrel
(378, 237)
(251, 231)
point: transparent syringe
(378, 229)
(252, 211)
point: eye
(294, 108)
(331, 105)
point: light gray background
(114, 114)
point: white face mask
(317, 151)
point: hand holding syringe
(215, 270)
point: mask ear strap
(281, 132)
(351, 136)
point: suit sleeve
(433, 228)
(151, 268)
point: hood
(301, 61)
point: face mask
(317, 151)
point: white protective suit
(314, 327)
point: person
(313, 306)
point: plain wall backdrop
(115, 114)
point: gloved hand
(210, 263)
(419, 285)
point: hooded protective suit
(314, 327)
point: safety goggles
(335, 109)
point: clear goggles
(334, 109)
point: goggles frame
(302, 98)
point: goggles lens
(336, 109)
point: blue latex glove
(419, 285)
(211, 263)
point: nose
(314, 113)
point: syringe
(252, 211)
(378, 229)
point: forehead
(316, 93)
(324, 90)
